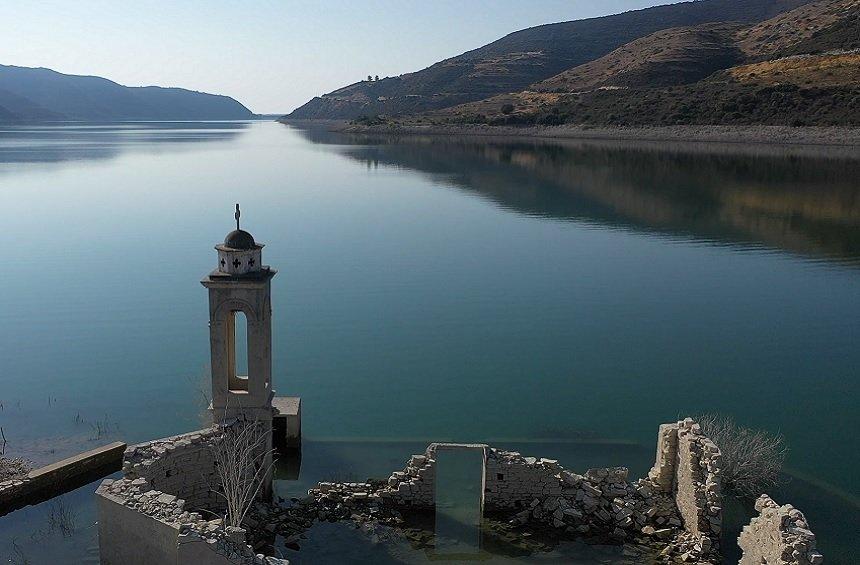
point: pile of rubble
(601, 504)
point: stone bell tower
(240, 283)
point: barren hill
(773, 37)
(671, 56)
(522, 58)
(797, 68)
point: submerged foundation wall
(57, 478)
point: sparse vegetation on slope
(715, 74)
(712, 102)
(522, 58)
(668, 57)
(827, 70)
(796, 28)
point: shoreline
(834, 136)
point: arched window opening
(237, 351)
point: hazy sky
(270, 55)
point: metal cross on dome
(236, 215)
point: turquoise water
(564, 297)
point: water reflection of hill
(802, 200)
(88, 142)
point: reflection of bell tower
(240, 284)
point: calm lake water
(563, 298)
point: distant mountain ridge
(39, 94)
(525, 57)
(801, 67)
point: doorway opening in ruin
(460, 482)
(237, 352)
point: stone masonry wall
(780, 535)
(531, 491)
(663, 472)
(151, 515)
(688, 465)
(181, 465)
(513, 480)
(140, 525)
(680, 503)
(698, 487)
(686, 472)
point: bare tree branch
(752, 459)
(243, 461)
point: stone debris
(533, 493)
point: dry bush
(752, 459)
(243, 460)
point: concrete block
(287, 422)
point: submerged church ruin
(195, 498)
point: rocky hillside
(526, 57)
(28, 94)
(794, 30)
(799, 68)
(668, 57)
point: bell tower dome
(239, 254)
(240, 284)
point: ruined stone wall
(153, 514)
(663, 472)
(780, 535)
(531, 490)
(512, 480)
(139, 525)
(698, 487)
(683, 491)
(415, 485)
(182, 465)
(688, 465)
